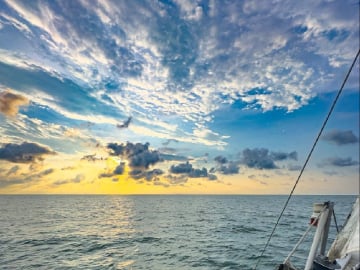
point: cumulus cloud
(341, 137)
(188, 170)
(23, 153)
(221, 159)
(339, 162)
(138, 154)
(230, 168)
(10, 103)
(258, 158)
(261, 158)
(185, 168)
(120, 168)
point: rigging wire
(308, 157)
(337, 227)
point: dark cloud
(230, 168)
(261, 158)
(125, 124)
(150, 175)
(221, 159)
(188, 170)
(258, 158)
(23, 153)
(120, 168)
(339, 162)
(185, 168)
(279, 156)
(196, 173)
(10, 103)
(341, 137)
(139, 155)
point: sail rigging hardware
(313, 223)
(308, 157)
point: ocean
(155, 231)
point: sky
(177, 97)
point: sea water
(155, 232)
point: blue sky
(177, 96)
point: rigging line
(309, 155)
(337, 227)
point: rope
(308, 157)
(304, 235)
(337, 228)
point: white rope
(304, 235)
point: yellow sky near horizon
(74, 176)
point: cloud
(341, 137)
(261, 158)
(125, 124)
(13, 170)
(138, 154)
(230, 168)
(188, 170)
(151, 175)
(77, 179)
(92, 158)
(32, 178)
(120, 169)
(292, 167)
(278, 156)
(339, 162)
(220, 159)
(212, 177)
(177, 179)
(24, 153)
(185, 168)
(10, 103)
(258, 158)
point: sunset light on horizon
(178, 97)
